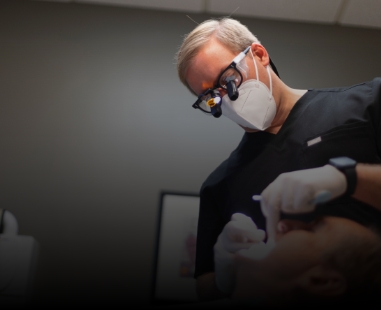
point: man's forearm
(207, 289)
(368, 188)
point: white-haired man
(300, 148)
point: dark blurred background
(95, 124)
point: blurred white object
(18, 258)
(8, 223)
(258, 250)
(238, 234)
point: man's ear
(259, 51)
(323, 281)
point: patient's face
(299, 248)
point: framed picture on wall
(175, 253)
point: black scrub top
(346, 121)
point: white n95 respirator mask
(255, 107)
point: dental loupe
(215, 103)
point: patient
(331, 259)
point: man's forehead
(215, 48)
(207, 65)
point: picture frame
(175, 249)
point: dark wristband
(351, 176)
(347, 166)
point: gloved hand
(240, 233)
(258, 250)
(299, 192)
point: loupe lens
(216, 110)
(232, 90)
(210, 102)
(203, 104)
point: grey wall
(94, 124)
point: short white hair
(230, 32)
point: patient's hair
(359, 261)
(229, 32)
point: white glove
(240, 233)
(299, 192)
(257, 251)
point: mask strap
(255, 64)
(268, 71)
(271, 82)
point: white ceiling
(359, 13)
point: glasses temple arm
(241, 55)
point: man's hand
(240, 233)
(299, 192)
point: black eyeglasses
(229, 79)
